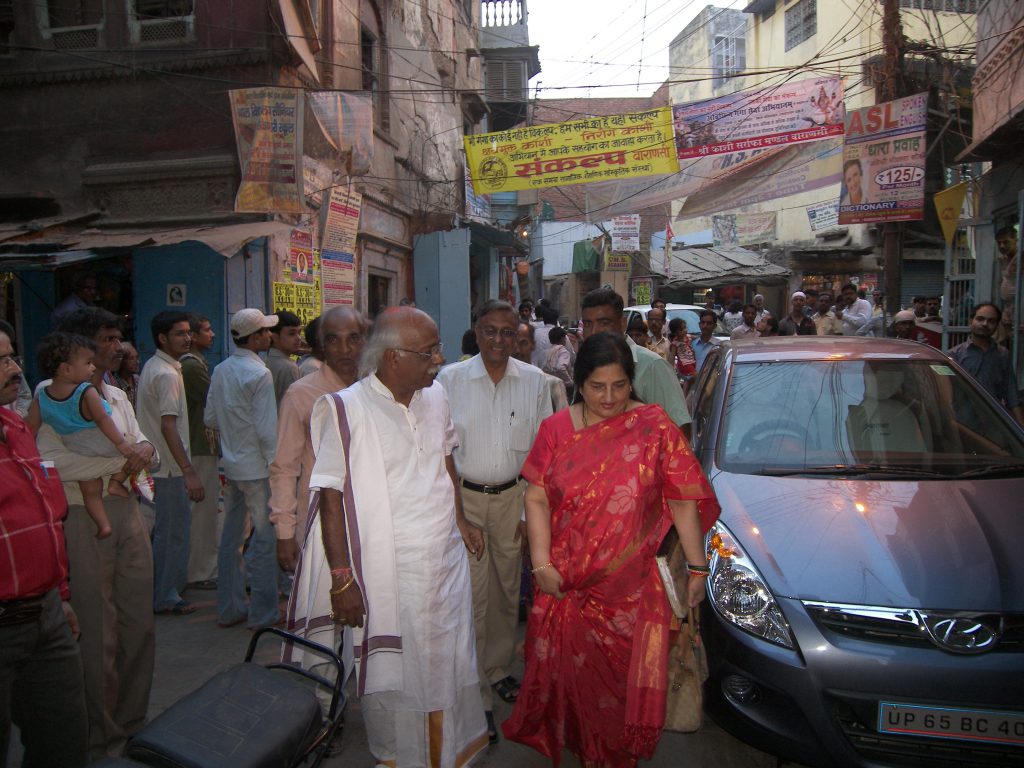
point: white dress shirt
(242, 407)
(162, 393)
(496, 423)
(855, 316)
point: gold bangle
(541, 567)
(343, 587)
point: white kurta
(425, 696)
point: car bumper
(818, 704)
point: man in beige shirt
(342, 331)
(825, 319)
(659, 343)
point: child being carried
(73, 407)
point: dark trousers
(41, 690)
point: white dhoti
(415, 656)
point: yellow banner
(303, 300)
(579, 152)
(949, 203)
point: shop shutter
(921, 278)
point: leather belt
(20, 611)
(492, 489)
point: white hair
(384, 336)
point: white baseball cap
(248, 321)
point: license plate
(952, 723)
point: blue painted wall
(192, 264)
(441, 263)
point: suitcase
(248, 716)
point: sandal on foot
(508, 689)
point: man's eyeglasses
(8, 361)
(433, 352)
(491, 332)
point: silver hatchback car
(866, 599)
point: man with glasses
(501, 403)
(396, 549)
(989, 363)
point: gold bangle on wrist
(343, 587)
(541, 567)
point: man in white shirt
(163, 417)
(501, 403)
(241, 406)
(396, 549)
(851, 311)
(659, 343)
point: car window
(705, 399)
(921, 414)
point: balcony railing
(502, 13)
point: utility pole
(891, 87)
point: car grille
(905, 750)
(905, 626)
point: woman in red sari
(608, 478)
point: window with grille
(71, 24)
(801, 23)
(161, 21)
(728, 57)
(946, 6)
(373, 61)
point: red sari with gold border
(597, 660)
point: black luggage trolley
(248, 716)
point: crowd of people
(406, 498)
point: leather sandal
(508, 689)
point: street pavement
(191, 649)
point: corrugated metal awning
(69, 248)
(723, 264)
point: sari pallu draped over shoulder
(596, 661)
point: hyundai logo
(960, 635)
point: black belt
(499, 488)
(20, 611)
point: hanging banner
(338, 247)
(792, 113)
(949, 203)
(626, 232)
(300, 257)
(883, 162)
(615, 261)
(743, 228)
(347, 120)
(802, 168)
(582, 151)
(823, 215)
(268, 135)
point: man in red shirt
(41, 689)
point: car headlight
(738, 592)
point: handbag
(687, 671)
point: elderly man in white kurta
(396, 542)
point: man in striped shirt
(41, 688)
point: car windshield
(919, 418)
(691, 318)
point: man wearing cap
(903, 323)
(796, 323)
(242, 407)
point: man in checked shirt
(41, 689)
